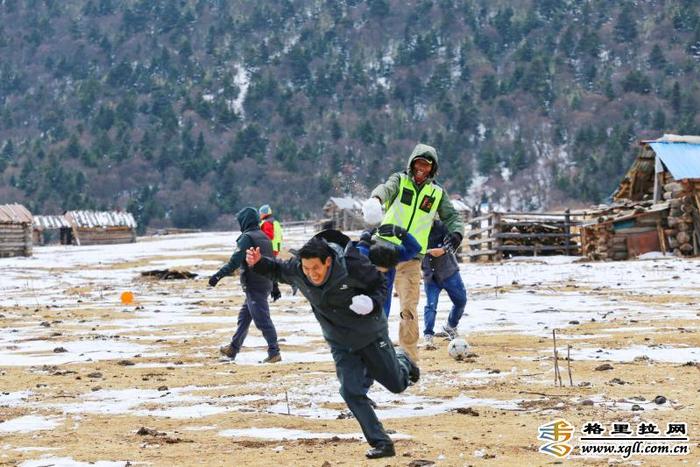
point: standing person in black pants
(257, 288)
(346, 293)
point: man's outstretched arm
(274, 269)
(237, 258)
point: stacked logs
(684, 217)
(601, 245)
(527, 237)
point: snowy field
(81, 373)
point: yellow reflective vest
(277, 236)
(414, 211)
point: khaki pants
(407, 283)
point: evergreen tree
(625, 29)
(656, 58)
(676, 98)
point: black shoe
(228, 351)
(383, 450)
(413, 370)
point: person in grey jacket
(346, 293)
(441, 272)
(256, 287)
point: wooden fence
(497, 235)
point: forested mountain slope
(184, 111)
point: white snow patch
(242, 80)
(14, 399)
(663, 353)
(29, 423)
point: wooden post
(474, 226)
(557, 373)
(489, 232)
(567, 231)
(493, 233)
(662, 239)
(568, 364)
(27, 239)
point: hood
(332, 236)
(426, 151)
(339, 243)
(248, 219)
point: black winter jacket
(437, 269)
(250, 237)
(351, 274)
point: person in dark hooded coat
(256, 287)
(346, 293)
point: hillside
(184, 111)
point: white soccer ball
(458, 348)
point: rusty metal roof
(50, 222)
(92, 219)
(14, 214)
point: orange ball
(127, 298)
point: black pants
(378, 361)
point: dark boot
(382, 450)
(413, 370)
(272, 359)
(228, 351)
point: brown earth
(502, 437)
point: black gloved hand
(275, 294)
(391, 230)
(455, 240)
(366, 237)
(213, 280)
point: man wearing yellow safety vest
(413, 200)
(273, 229)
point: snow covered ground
(60, 310)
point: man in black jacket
(256, 287)
(346, 293)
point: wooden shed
(667, 170)
(52, 229)
(101, 228)
(626, 231)
(15, 230)
(343, 214)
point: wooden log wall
(683, 231)
(15, 240)
(105, 236)
(599, 245)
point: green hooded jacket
(387, 191)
